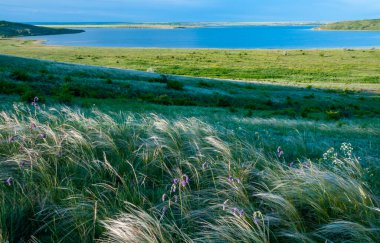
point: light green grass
(371, 24)
(96, 160)
(341, 69)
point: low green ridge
(11, 29)
(370, 24)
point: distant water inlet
(237, 37)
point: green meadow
(207, 146)
(363, 25)
(352, 69)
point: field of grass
(336, 69)
(114, 155)
(371, 24)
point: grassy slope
(372, 24)
(74, 169)
(333, 116)
(10, 29)
(343, 69)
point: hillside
(371, 24)
(103, 152)
(11, 29)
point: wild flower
(32, 126)
(175, 181)
(43, 135)
(174, 188)
(346, 149)
(12, 139)
(238, 212)
(332, 156)
(232, 180)
(185, 180)
(257, 216)
(35, 102)
(23, 163)
(280, 152)
(9, 181)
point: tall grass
(80, 176)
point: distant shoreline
(174, 25)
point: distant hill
(371, 24)
(10, 29)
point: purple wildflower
(256, 217)
(241, 213)
(32, 126)
(12, 139)
(255, 220)
(175, 181)
(235, 211)
(279, 152)
(9, 181)
(185, 180)
(23, 163)
(230, 179)
(43, 135)
(35, 102)
(174, 188)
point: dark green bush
(333, 115)
(20, 75)
(108, 81)
(63, 94)
(172, 84)
(68, 79)
(203, 84)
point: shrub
(108, 81)
(204, 84)
(333, 115)
(68, 79)
(20, 75)
(64, 94)
(173, 84)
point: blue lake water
(245, 37)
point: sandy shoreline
(179, 25)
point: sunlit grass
(79, 175)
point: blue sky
(186, 10)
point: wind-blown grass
(75, 175)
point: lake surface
(250, 37)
